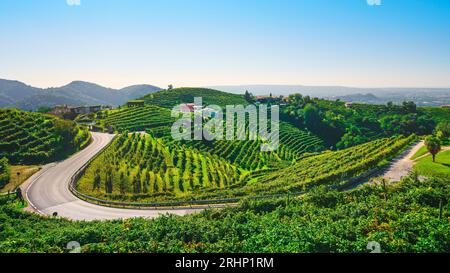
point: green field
(422, 151)
(426, 166)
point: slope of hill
(14, 94)
(140, 165)
(139, 119)
(13, 91)
(170, 98)
(186, 174)
(28, 138)
(246, 153)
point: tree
(248, 96)
(312, 117)
(409, 107)
(444, 127)
(122, 183)
(109, 180)
(44, 109)
(433, 145)
(170, 87)
(137, 182)
(390, 106)
(97, 180)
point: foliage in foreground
(403, 217)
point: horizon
(229, 85)
(354, 44)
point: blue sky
(400, 43)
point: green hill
(142, 166)
(246, 154)
(170, 98)
(138, 168)
(152, 117)
(30, 138)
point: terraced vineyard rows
(140, 119)
(35, 138)
(139, 165)
(332, 167)
(248, 155)
(170, 98)
(157, 121)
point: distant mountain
(366, 98)
(12, 91)
(422, 96)
(136, 91)
(14, 94)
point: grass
(422, 151)
(17, 180)
(441, 167)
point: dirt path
(402, 165)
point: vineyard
(138, 167)
(328, 168)
(333, 168)
(245, 154)
(152, 166)
(170, 98)
(141, 165)
(153, 118)
(28, 138)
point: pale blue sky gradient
(402, 43)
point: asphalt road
(48, 190)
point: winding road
(47, 191)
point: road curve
(48, 190)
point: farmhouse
(135, 103)
(71, 112)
